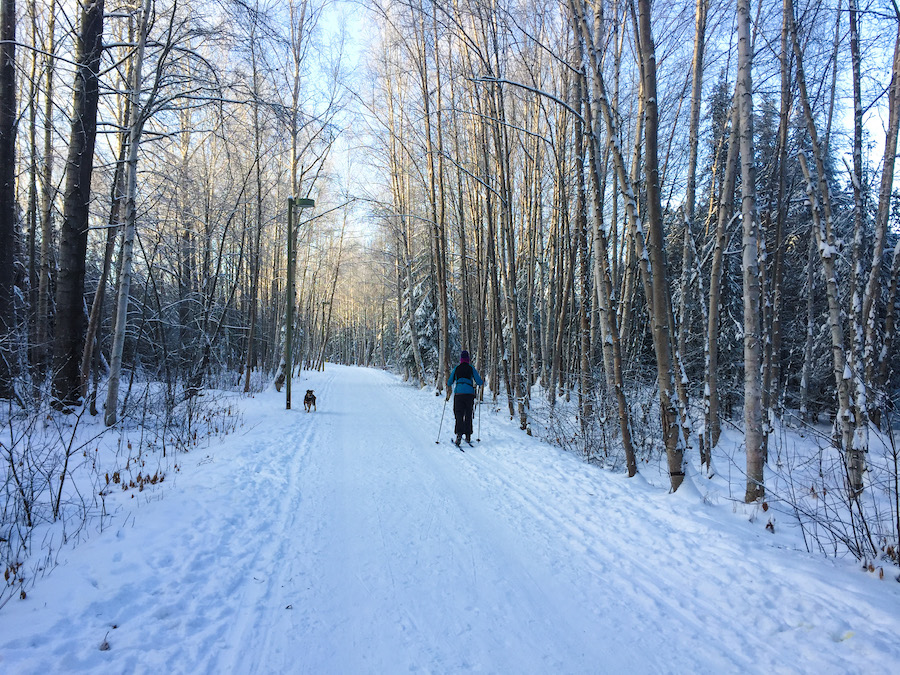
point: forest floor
(347, 541)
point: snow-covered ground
(348, 541)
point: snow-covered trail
(347, 541)
(390, 558)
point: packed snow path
(347, 541)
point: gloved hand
(449, 393)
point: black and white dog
(309, 401)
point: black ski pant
(463, 405)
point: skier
(466, 377)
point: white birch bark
(687, 264)
(135, 127)
(753, 431)
(661, 307)
(873, 374)
(609, 329)
(823, 225)
(298, 25)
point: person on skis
(465, 377)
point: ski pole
(478, 438)
(441, 426)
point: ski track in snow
(347, 541)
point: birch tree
(874, 374)
(139, 114)
(589, 46)
(48, 194)
(753, 432)
(255, 243)
(690, 197)
(660, 304)
(773, 378)
(819, 193)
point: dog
(309, 401)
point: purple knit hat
(464, 356)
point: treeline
(599, 199)
(151, 148)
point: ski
(458, 445)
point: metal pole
(441, 426)
(478, 403)
(289, 321)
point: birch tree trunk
(873, 373)
(298, 17)
(823, 226)
(809, 340)
(255, 240)
(586, 379)
(435, 179)
(465, 307)
(634, 265)
(600, 107)
(509, 270)
(117, 197)
(856, 358)
(112, 230)
(135, 127)
(31, 214)
(753, 431)
(845, 420)
(609, 329)
(772, 370)
(691, 186)
(443, 369)
(42, 314)
(661, 306)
